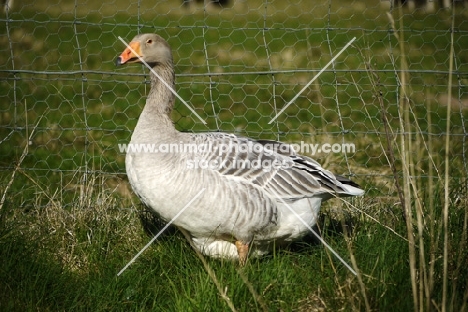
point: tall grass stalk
(432, 231)
(405, 150)
(362, 285)
(422, 270)
(405, 153)
(20, 160)
(447, 168)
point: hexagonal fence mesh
(65, 107)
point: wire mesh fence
(66, 108)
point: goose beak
(128, 56)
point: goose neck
(155, 119)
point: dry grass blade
(252, 290)
(354, 207)
(447, 169)
(20, 161)
(405, 148)
(211, 273)
(389, 153)
(362, 286)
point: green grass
(69, 221)
(57, 259)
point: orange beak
(128, 56)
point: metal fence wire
(65, 107)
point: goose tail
(350, 188)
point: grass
(69, 222)
(75, 255)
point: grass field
(69, 221)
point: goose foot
(242, 251)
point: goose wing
(271, 165)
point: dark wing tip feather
(347, 181)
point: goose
(245, 209)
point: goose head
(151, 48)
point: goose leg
(243, 251)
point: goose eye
(149, 41)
